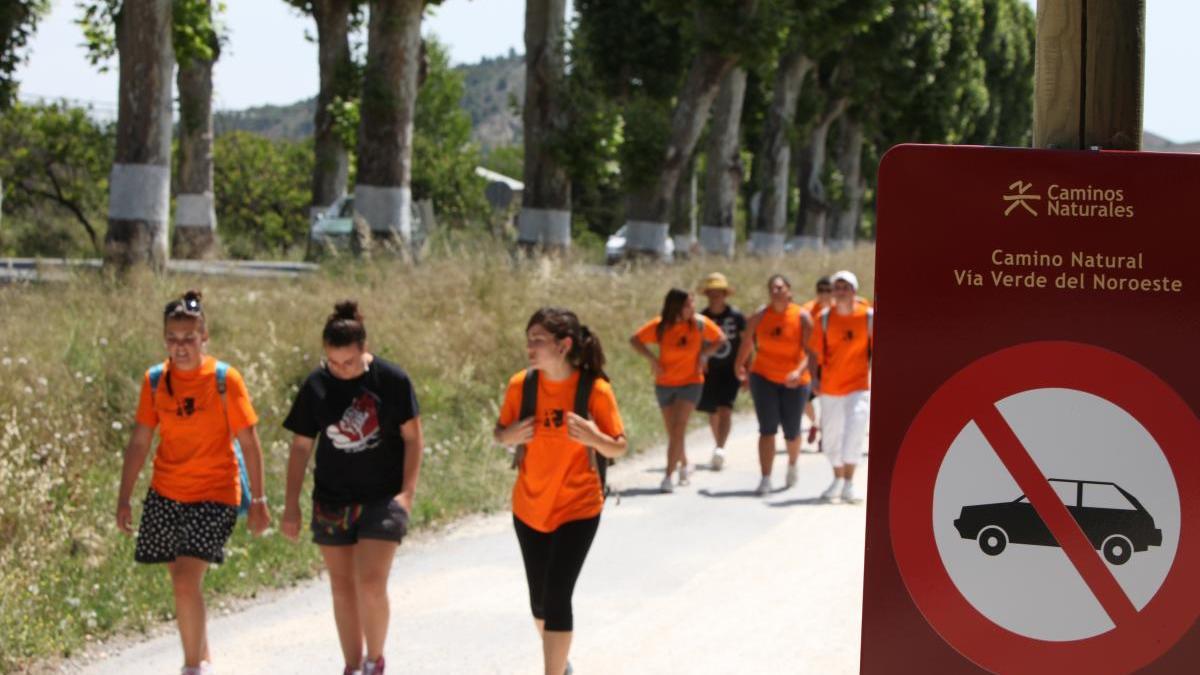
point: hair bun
(347, 309)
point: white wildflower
(117, 426)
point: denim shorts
(776, 404)
(668, 395)
(345, 525)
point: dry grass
(71, 357)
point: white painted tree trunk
(195, 211)
(770, 224)
(723, 173)
(849, 215)
(545, 217)
(331, 167)
(139, 193)
(814, 202)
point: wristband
(259, 500)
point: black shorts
(385, 520)
(776, 405)
(720, 390)
(170, 529)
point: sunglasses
(188, 306)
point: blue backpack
(156, 373)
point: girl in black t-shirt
(360, 413)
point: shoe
(764, 487)
(683, 475)
(569, 670)
(812, 434)
(191, 670)
(831, 491)
(718, 459)
(667, 487)
(373, 667)
(206, 668)
(849, 495)
(351, 671)
(793, 475)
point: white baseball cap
(846, 276)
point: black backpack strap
(529, 389)
(583, 398)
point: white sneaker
(831, 491)
(206, 668)
(764, 487)
(849, 494)
(683, 475)
(718, 459)
(792, 475)
(666, 485)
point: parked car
(615, 249)
(1113, 520)
(335, 224)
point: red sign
(1035, 482)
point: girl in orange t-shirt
(192, 504)
(780, 375)
(685, 341)
(558, 496)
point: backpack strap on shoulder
(155, 374)
(222, 378)
(529, 392)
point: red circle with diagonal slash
(1139, 637)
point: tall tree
(383, 190)
(1006, 48)
(197, 47)
(546, 201)
(723, 168)
(339, 88)
(18, 22)
(140, 182)
(716, 29)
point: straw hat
(715, 282)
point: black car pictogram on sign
(1113, 520)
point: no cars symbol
(1072, 447)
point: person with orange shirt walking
(200, 407)
(360, 413)
(814, 308)
(685, 342)
(562, 417)
(779, 377)
(842, 342)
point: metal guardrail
(63, 269)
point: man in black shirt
(720, 382)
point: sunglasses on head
(190, 306)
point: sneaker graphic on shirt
(358, 429)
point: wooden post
(1089, 74)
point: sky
(279, 66)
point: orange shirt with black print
(679, 348)
(778, 348)
(556, 483)
(194, 461)
(813, 308)
(844, 351)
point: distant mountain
(1155, 143)
(492, 88)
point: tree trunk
(849, 213)
(723, 173)
(770, 225)
(546, 202)
(814, 203)
(683, 211)
(139, 192)
(195, 215)
(383, 194)
(332, 166)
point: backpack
(870, 331)
(156, 373)
(583, 395)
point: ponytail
(586, 355)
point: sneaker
(849, 495)
(718, 459)
(373, 667)
(764, 487)
(667, 486)
(351, 671)
(206, 668)
(683, 475)
(831, 491)
(191, 670)
(569, 670)
(792, 475)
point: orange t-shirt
(813, 309)
(679, 349)
(843, 351)
(556, 482)
(194, 461)
(778, 349)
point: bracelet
(259, 500)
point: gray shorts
(668, 395)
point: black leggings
(553, 561)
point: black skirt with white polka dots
(170, 529)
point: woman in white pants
(842, 342)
